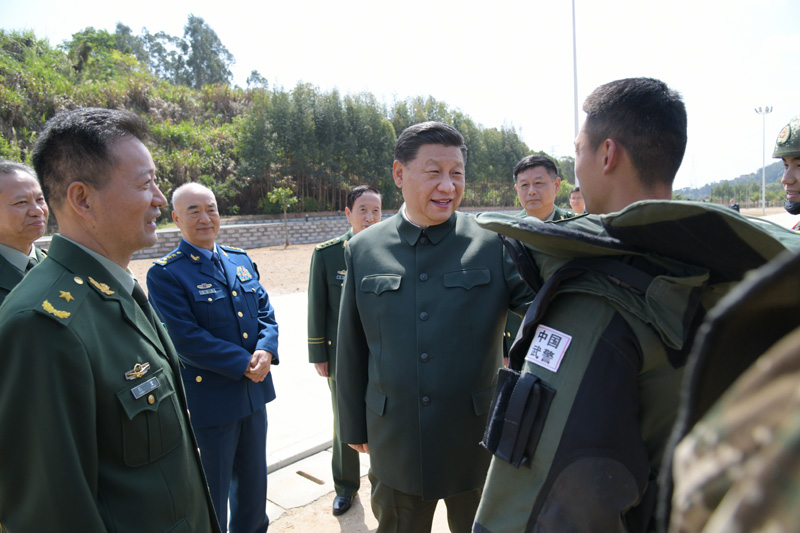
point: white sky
(505, 62)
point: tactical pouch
(516, 417)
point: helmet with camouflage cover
(788, 141)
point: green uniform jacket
(84, 448)
(324, 292)
(10, 276)
(420, 342)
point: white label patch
(548, 348)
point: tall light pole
(763, 112)
(575, 76)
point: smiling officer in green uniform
(420, 339)
(95, 429)
(23, 219)
(324, 292)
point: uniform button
(423, 240)
(233, 292)
(426, 400)
(240, 314)
(423, 277)
(329, 343)
(424, 358)
(244, 334)
(151, 399)
(423, 316)
(198, 379)
(210, 300)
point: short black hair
(413, 137)
(647, 118)
(9, 167)
(76, 146)
(531, 161)
(575, 189)
(357, 192)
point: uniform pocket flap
(145, 394)
(379, 283)
(466, 279)
(208, 293)
(376, 400)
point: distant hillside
(773, 174)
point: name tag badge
(207, 291)
(148, 386)
(548, 348)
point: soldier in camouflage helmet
(787, 147)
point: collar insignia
(66, 295)
(102, 287)
(47, 306)
(138, 371)
(194, 257)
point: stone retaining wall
(254, 235)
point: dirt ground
(282, 270)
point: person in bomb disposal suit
(224, 329)
(324, 292)
(23, 219)
(95, 429)
(420, 339)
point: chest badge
(204, 286)
(243, 274)
(341, 274)
(138, 371)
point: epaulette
(327, 244)
(172, 256)
(62, 300)
(232, 249)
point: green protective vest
(660, 266)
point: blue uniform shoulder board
(232, 249)
(169, 258)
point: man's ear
(397, 173)
(80, 198)
(612, 156)
(175, 217)
(557, 181)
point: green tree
(207, 59)
(284, 196)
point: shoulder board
(63, 298)
(174, 255)
(232, 249)
(327, 244)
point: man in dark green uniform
(23, 219)
(95, 430)
(324, 292)
(423, 305)
(537, 183)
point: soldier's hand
(322, 369)
(260, 364)
(360, 448)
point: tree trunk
(286, 228)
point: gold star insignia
(66, 295)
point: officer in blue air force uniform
(223, 326)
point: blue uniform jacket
(216, 325)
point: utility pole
(763, 112)
(575, 76)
